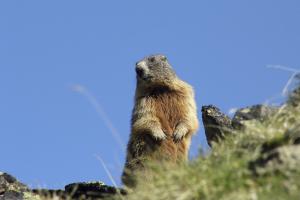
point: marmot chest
(170, 110)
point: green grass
(225, 174)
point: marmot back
(163, 119)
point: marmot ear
(164, 58)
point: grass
(225, 173)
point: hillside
(255, 155)
(259, 159)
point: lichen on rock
(216, 124)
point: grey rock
(293, 135)
(284, 159)
(89, 190)
(11, 195)
(216, 124)
(11, 188)
(294, 96)
(281, 154)
(93, 190)
(257, 112)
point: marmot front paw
(159, 135)
(179, 135)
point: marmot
(163, 119)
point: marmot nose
(139, 71)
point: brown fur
(161, 106)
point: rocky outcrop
(93, 190)
(280, 155)
(217, 125)
(90, 190)
(294, 96)
(12, 189)
(257, 112)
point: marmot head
(154, 70)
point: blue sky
(50, 134)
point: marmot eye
(152, 59)
(164, 58)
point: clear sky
(50, 134)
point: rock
(9, 182)
(282, 154)
(284, 159)
(11, 188)
(12, 195)
(291, 137)
(294, 96)
(294, 135)
(92, 190)
(216, 124)
(256, 112)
